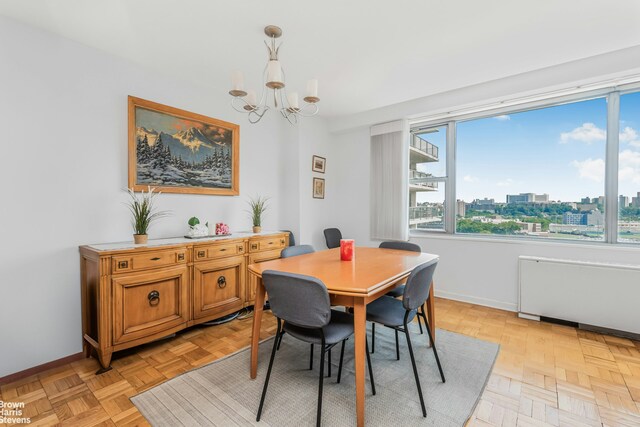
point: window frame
(611, 94)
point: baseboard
(477, 300)
(41, 368)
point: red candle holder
(347, 249)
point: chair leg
(341, 358)
(280, 340)
(435, 352)
(373, 384)
(420, 322)
(397, 346)
(373, 338)
(415, 369)
(311, 358)
(329, 364)
(319, 415)
(266, 380)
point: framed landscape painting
(318, 164)
(177, 151)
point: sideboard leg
(86, 349)
(104, 356)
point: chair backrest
(292, 239)
(418, 285)
(296, 250)
(332, 236)
(297, 299)
(403, 246)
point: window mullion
(611, 167)
(450, 186)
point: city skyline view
(556, 150)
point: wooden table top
(370, 269)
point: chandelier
(274, 94)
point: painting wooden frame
(318, 164)
(201, 156)
(318, 188)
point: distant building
(635, 201)
(600, 200)
(585, 200)
(486, 201)
(586, 207)
(623, 201)
(461, 208)
(527, 198)
(487, 205)
(593, 217)
(573, 218)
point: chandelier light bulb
(292, 98)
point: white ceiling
(366, 54)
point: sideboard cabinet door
(218, 287)
(148, 303)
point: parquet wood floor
(545, 375)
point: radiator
(596, 294)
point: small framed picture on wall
(318, 188)
(318, 164)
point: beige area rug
(221, 393)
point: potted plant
(258, 206)
(143, 213)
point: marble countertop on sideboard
(152, 243)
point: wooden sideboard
(134, 294)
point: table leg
(258, 305)
(431, 312)
(360, 327)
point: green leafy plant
(258, 206)
(143, 210)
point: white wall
(317, 214)
(482, 271)
(64, 150)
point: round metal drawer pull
(222, 282)
(154, 298)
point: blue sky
(558, 150)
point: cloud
(630, 136)
(469, 178)
(592, 169)
(629, 166)
(503, 117)
(505, 183)
(587, 133)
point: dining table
(370, 274)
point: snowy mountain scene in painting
(171, 151)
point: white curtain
(390, 181)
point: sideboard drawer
(149, 303)
(147, 260)
(267, 244)
(218, 251)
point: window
(534, 173)
(629, 169)
(427, 178)
(544, 170)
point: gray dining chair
(292, 239)
(398, 314)
(296, 250)
(398, 292)
(302, 309)
(332, 236)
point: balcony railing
(417, 177)
(429, 216)
(424, 146)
